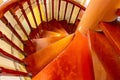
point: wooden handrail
(13, 6)
(6, 6)
(75, 3)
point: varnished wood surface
(13, 5)
(10, 57)
(44, 42)
(76, 4)
(6, 6)
(106, 53)
(38, 60)
(74, 63)
(118, 12)
(9, 72)
(112, 32)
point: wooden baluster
(38, 4)
(5, 21)
(18, 22)
(59, 9)
(77, 16)
(30, 6)
(3, 37)
(52, 9)
(65, 10)
(9, 72)
(73, 29)
(46, 10)
(11, 57)
(71, 13)
(21, 26)
(76, 4)
(24, 14)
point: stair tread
(46, 33)
(55, 26)
(106, 53)
(42, 57)
(71, 63)
(65, 25)
(112, 32)
(44, 42)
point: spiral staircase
(39, 41)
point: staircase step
(46, 33)
(65, 25)
(106, 53)
(44, 42)
(58, 26)
(74, 63)
(112, 32)
(55, 26)
(42, 57)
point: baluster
(71, 13)
(65, 10)
(39, 10)
(46, 10)
(24, 14)
(3, 37)
(9, 72)
(21, 26)
(75, 22)
(52, 9)
(30, 6)
(18, 22)
(39, 28)
(59, 9)
(11, 57)
(77, 16)
(5, 21)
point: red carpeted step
(74, 63)
(46, 33)
(65, 25)
(106, 54)
(112, 32)
(46, 28)
(69, 27)
(38, 60)
(44, 42)
(51, 26)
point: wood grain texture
(112, 32)
(6, 6)
(9, 72)
(74, 63)
(38, 60)
(10, 57)
(108, 56)
(76, 4)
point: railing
(16, 26)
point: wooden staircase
(40, 41)
(35, 33)
(106, 46)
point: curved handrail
(13, 5)
(6, 6)
(75, 3)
